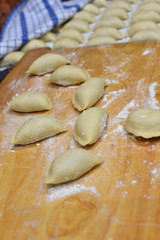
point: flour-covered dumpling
(47, 63)
(91, 8)
(48, 37)
(30, 102)
(146, 15)
(80, 25)
(145, 35)
(90, 125)
(35, 43)
(69, 75)
(101, 40)
(139, 26)
(117, 12)
(86, 16)
(71, 165)
(88, 93)
(11, 59)
(37, 128)
(144, 123)
(71, 34)
(120, 4)
(107, 31)
(110, 21)
(65, 43)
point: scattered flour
(152, 101)
(67, 189)
(147, 51)
(125, 111)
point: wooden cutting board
(118, 200)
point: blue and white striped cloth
(32, 18)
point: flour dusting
(125, 111)
(147, 51)
(152, 101)
(68, 189)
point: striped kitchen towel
(32, 18)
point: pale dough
(71, 34)
(37, 128)
(89, 7)
(69, 75)
(11, 59)
(88, 93)
(47, 63)
(90, 125)
(30, 102)
(35, 43)
(144, 123)
(71, 165)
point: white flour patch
(65, 190)
(147, 51)
(114, 94)
(125, 111)
(133, 181)
(152, 101)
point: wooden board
(119, 199)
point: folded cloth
(32, 18)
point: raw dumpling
(91, 8)
(47, 63)
(146, 15)
(86, 16)
(139, 26)
(145, 35)
(88, 93)
(80, 25)
(65, 43)
(90, 125)
(69, 75)
(100, 3)
(145, 1)
(129, 1)
(71, 165)
(35, 43)
(107, 31)
(101, 40)
(144, 123)
(48, 37)
(37, 128)
(117, 12)
(71, 34)
(150, 6)
(12, 58)
(110, 21)
(120, 4)
(31, 102)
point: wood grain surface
(118, 200)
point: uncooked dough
(35, 43)
(37, 128)
(11, 59)
(91, 8)
(139, 26)
(107, 31)
(144, 123)
(117, 12)
(120, 4)
(30, 102)
(80, 25)
(48, 37)
(86, 16)
(146, 15)
(88, 93)
(65, 43)
(71, 34)
(101, 40)
(47, 63)
(71, 165)
(145, 35)
(100, 3)
(69, 75)
(110, 21)
(90, 125)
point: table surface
(117, 200)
